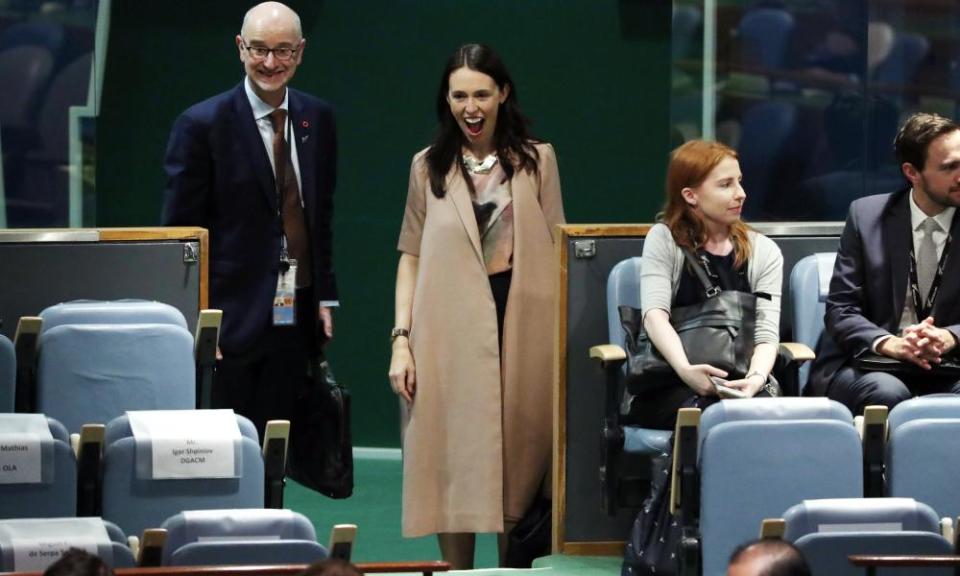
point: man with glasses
(256, 166)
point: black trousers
(500, 287)
(857, 388)
(658, 408)
(262, 383)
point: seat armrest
(874, 438)
(796, 352)
(955, 540)
(89, 469)
(773, 528)
(684, 485)
(150, 552)
(790, 355)
(611, 357)
(946, 530)
(276, 438)
(685, 491)
(205, 353)
(608, 354)
(26, 344)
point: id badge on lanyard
(285, 299)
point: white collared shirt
(917, 217)
(261, 113)
(909, 316)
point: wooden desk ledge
(903, 561)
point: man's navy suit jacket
(869, 285)
(219, 177)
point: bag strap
(709, 288)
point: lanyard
(921, 306)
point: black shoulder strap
(710, 289)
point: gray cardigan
(663, 263)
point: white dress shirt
(261, 113)
(917, 216)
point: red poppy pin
(305, 124)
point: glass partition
(811, 93)
(47, 106)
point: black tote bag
(653, 544)
(321, 448)
(718, 331)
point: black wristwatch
(398, 332)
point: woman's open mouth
(474, 125)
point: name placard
(20, 459)
(34, 544)
(26, 449)
(187, 443)
(36, 555)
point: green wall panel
(593, 75)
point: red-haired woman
(702, 214)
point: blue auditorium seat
(765, 35)
(136, 503)
(754, 458)
(923, 452)
(111, 312)
(623, 289)
(56, 495)
(91, 360)
(8, 374)
(809, 287)
(900, 66)
(111, 542)
(237, 537)
(92, 373)
(828, 531)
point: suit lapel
(306, 145)
(897, 238)
(253, 144)
(460, 196)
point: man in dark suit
(256, 166)
(895, 258)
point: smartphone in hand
(724, 391)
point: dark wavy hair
(513, 144)
(914, 137)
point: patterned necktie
(294, 225)
(927, 258)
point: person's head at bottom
(76, 562)
(332, 567)
(767, 557)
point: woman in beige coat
(475, 307)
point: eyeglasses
(282, 53)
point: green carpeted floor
(375, 509)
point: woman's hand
(403, 373)
(749, 386)
(697, 377)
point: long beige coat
(477, 446)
